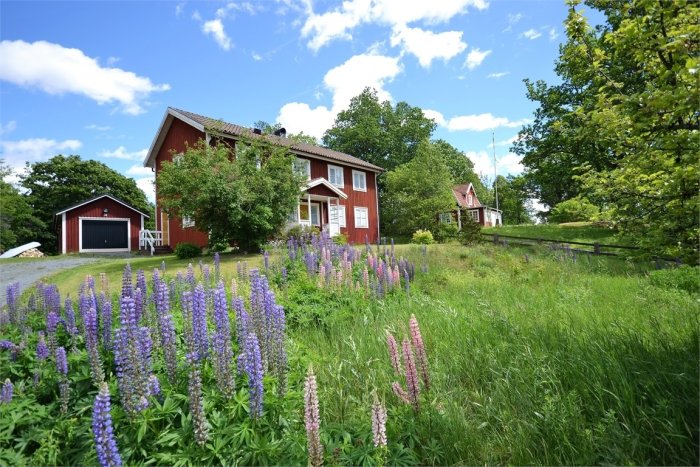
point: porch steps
(163, 250)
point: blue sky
(94, 78)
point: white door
(333, 224)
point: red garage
(103, 224)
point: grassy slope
(545, 362)
(575, 231)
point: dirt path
(31, 271)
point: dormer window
(470, 200)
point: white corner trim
(376, 200)
(63, 234)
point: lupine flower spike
(106, 445)
(411, 375)
(378, 423)
(421, 356)
(312, 420)
(6, 392)
(393, 353)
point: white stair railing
(149, 239)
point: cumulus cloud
(553, 34)
(512, 20)
(480, 122)
(18, 153)
(427, 45)
(483, 163)
(58, 70)
(215, 28)
(147, 185)
(9, 127)
(475, 57)
(344, 82)
(531, 34)
(122, 153)
(139, 170)
(508, 141)
(96, 127)
(498, 75)
(435, 115)
(337, 24)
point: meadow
(532, 357)
(586, 232)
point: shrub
(445, 232)
(300, 230)
(186, 250)
(574, 210)
(683, 278)
(218, 247)
(340, 239)
(422, 236)
(470, 233)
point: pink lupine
(393, 353)
(412, 383)
(397, 276)
(400, 393)
(234, 289)
(421, 356)
(365, 278)
(378, 423)
(312, 419)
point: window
(335, 175)
(361, 218)
(187, 222)
(304, 213)
(302, 167)
(292, 218)
(314, 218)
(446, 218)
(359, 181)
(339, 213)
(470, 200)
(474, 214)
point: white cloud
(344, 82)
(59, 70)
(122, 153)
(553, 34)
(427, 45)
(498, 75)
(509, 141)
(531, 34)
(435, 115)
(196, 16)
(475, 57)
(482, 122)
(18, 153)
(483, 163)
(178, 8)
(148, 187)
(256, 56)
(95, 127)
(215, 28)
(139, 170)
(9, 127)
(324, 28)
(512, 20)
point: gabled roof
(322, 181)
(460, 192)
(221, 128)
(83, 203)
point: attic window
(470, 200)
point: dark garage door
(101, 235)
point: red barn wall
(96, 209)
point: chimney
(282, 133)
(257, 131)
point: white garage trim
(105, 250)
(63, 233)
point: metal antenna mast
(495, 175)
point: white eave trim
(162, 131)
(98, 198)
(322, 181)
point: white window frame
(470, 200)
(364, 180)
(187, 222)
(446, 218)
(358, 224)
(341, 183)
(307, 162)
(474, 215)
(341, 214)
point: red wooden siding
(178, 134)
(96, 209)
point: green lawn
(534, 359)
(574, 231)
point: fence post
(596, 249)
(495, 239)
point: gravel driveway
(31, 271)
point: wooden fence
(597, 248)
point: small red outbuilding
(103, 224)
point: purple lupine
(206, 273)
(52, 320)
(243, 325)
(199, 322)
(127, 287)
(283, 274)
(69, 311)
(393, 353)
(378, 421)
(106, 316)
(199, 421)
(91, 343)
(223, 353)
(105, 444)
(42, 351)
(12, 347)
(6, 392)
(63, 386)
(312, 419)
(252, 364)
(166, 330)
(154, 385)
(61, 361)
(186, 307)
(421, 356)
(412, 383)
(12, 302)
(141, 281)
(266, 260)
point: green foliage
(377, 132)
(245, 200)
(417, 192)
(340, 239)
(682, 278)
(63, 181)
(622, 127)
(186, 250)
(513, 199)
(578, 232)
(18, 225)
(423, 237)
(460, 166)
(445, 232)
(471, 231)
(300, 231)
(574, 210)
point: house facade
(103, 224)
(339, 196)
(468, 204)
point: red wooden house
(103, 224)
(340, 195)
(468, 202)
